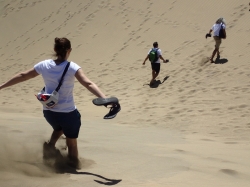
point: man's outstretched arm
(145, 60)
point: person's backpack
(153, 56)
(221, 33)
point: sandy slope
(191, 129)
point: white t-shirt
(158, 53)
(216, 28)
(52, 74)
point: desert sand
(192, 129)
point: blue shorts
(69, 123)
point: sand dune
(191, 129)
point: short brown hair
(155, 44)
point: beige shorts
(217, 40)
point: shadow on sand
(220, 61)
(156, 83)
(61, 166)
(106, 181)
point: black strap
(157, 57)
(60, 82)
(64, 72)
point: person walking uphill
(154, 55)
(64, 116)
(219, 29)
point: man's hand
(208, 35)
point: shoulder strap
(156, 51)
(64, 72)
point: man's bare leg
(154, 75)
(213, 54)
(218, 53)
